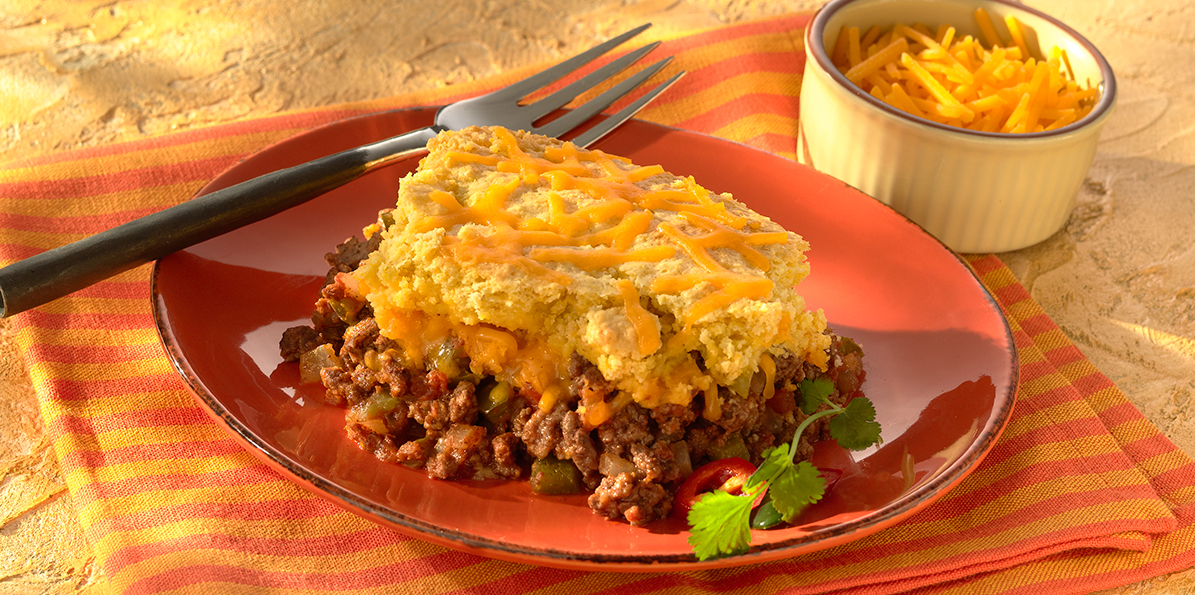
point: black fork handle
(57, 272)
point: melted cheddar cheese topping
(528, 250)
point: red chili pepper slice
(727, 474)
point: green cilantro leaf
(796, 488)
(814, 393)
(856, 428)
(775, 461)
(719, 524)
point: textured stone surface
(1119, 279)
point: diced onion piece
(312, 362)
(375, 425)
(612, 464)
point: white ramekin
(975, 191)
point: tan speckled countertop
(1119, 279)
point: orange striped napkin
(1081, 493)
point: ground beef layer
(455, 424)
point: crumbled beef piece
(429, 386)
(739, 412)
(700, 435)
(577, 446)
(433, 407)
(328, 321)
(455, 452)
(339, 387)
(364, 378)
(397, 420)
(348, 305)
(325, 320)
(415, 452)
(432, 414)
(349, 254)
(358, 339)
(296, 341)
(393, 374)
(381, 446)
(656, 462)
(505, 448)
(789, 369)
(561, 432)
(587, 381)
(624, 496)
(812, 372)
(542, 432)
(630, 426)
(519, 419)
(758, 441)
(672, 419)
(462, 404)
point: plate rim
(831, 536)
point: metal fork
(62, 270)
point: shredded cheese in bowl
(997, 87)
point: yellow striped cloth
(1081, 492)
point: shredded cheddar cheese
(647, 331)
(768, 366)
(993, 85)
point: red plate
(940, 359)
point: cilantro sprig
(719, 522)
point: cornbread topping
(532, 309)
(532, 249)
